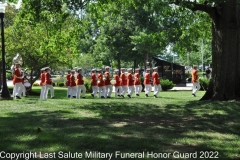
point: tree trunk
(119, 66)
(225, 84)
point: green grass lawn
(175, 124)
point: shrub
(166, 84)
(35, 84)
(204, 83)
(87, 83)
(60, 84)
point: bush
(204, 83)
(166, 84)
(87, 83)
(35, 84)
(60, 84)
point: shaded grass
(175, 121)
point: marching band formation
(103, 85)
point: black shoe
(129, 96)
(17, 97)
(137, 94)
(194, 95)
(146, 95)
(73, 96)
(83, 97)
(119, 95)
(155, 96)
(69, 96)
(122, 96)
(52, 97)
(102, 97)
(108, 97)
(92, 95)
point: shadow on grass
(126, 127)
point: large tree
(225, 17)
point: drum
(27, 84)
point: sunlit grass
(175, 121)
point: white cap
(116, 70)
(43, 69)
(155, 67)
(137, 69)
(107, 67)
(72, 70)
(94, 69)
(123, 69)
(129, 69)
(148, 69)
(47, 68)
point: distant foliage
(87, 83)
(204, 83)
(166, 84)
(35, 84)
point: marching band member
(101, 84)
(68, 82)
(80, 84)
(94, 83)
(48, 83)
(147, 82)
(156, 82)
(108, 84)
(137, 82)
(130, 83)
(42, 80)
(196, 85)
(117, 83)
(123, 83)
(17, 91)
(72, 84)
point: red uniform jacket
(17, 74)
(130, 79)
(80, 79)
(123, 79)
(156, 79)
(117, 83)
(194, 75)
(101, 83)
(68, 79)
(94, 80)
(48, 78)
(107, 80)
(42, 78)
(137, 80)
(147, 78)
(72, 81)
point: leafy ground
(169, 127)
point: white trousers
(17, 90)
(108, 91)
(42, 92)
(101, 91)
(118, 91)
(138, 88)
(73, 91)
(196, 87)
(157, 89)
(23, 90)
(124, 90)
(130, 90)
(81, 88)
(68, 91)
(46, 88)
(94, 90)
(148, 88)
